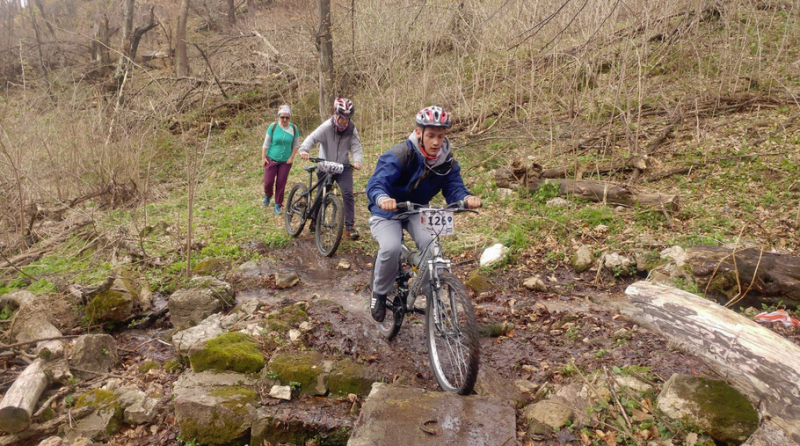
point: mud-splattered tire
(452, 337)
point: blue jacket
(401, 174)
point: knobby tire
(295, 211)
(330, 225)
(453, 345)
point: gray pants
(389, 234)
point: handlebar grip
(403, 205)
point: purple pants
(273, 170)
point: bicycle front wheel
(330, 225)
(453, 337)
(294, 214)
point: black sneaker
(312, 227)
(378, 306)
(352, 233)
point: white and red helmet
(433, 116)
(344, 107)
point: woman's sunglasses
(284, 117)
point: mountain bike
(450, 324)
(326, 209)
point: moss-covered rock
(478, 281)
(220, 415)
(212, 266)
(713, 405)
(227, 352)
(101, 423)
(349, 377)
(109, 306)
(285, 319)
(275, 425)
(306, 368)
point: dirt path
(529, 335)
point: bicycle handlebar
(320, 160)
(416, 208)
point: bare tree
(325, 49)
(127, 29)
(181, 59)
(251, 7)
(231, 12)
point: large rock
(713, 405)
(620, 265)
(191, 382)
(216, 415)
(582, 259)
(235, 352)
(309, 369)
(566, 405)
(208, 295)
(115, 304)
(138, 408)
(398, 415)
(286, 425)
(94, 353)
(491, 383)
(101, 423)
(211, 327)
(286, 280)
(349, 377)
(214, 407)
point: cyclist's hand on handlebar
(304, 155)
(357, 166)
(389, 204)
(473, 202)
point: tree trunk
(181, 58)
(325, 49)
(758, 362)
(251, 7)
(18, 403)
(127, 30)
(140, 31)
(231, 12)
(775, 277)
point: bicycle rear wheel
(294, 213)
(394, 320)
(330, 225)
(453, 337)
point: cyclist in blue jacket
(414, 170)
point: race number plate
(437, 222)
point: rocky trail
(321, 355)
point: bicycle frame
(327, 179)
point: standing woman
(277, 156)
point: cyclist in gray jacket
(338, 138)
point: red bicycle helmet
(433, 116)
(344, 107)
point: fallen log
(761, 364)
(610, 193)
(532, 175)
(18, 403)
(16, 408)
(734, 274)
(46, 428)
